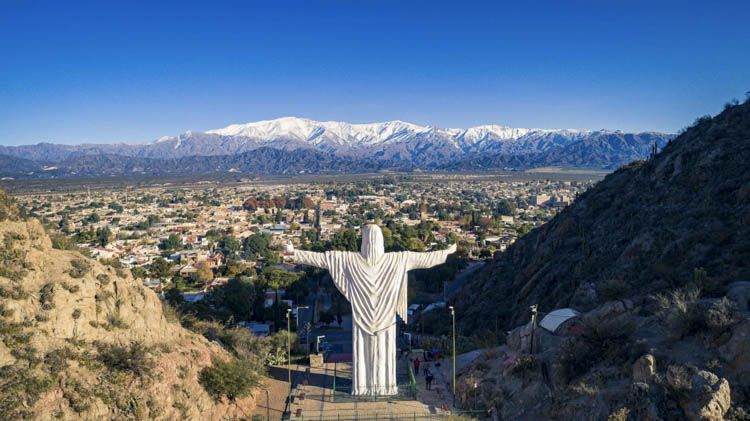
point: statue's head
(372, 243)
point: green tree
(229, 379)
(172, 242)
(228, 245)
(237, 298)
(326, 317)
(103, 236)
(345, 239)
(138, 272)
(257, 245)
(506, 207)
(204, 273)
(160, 268)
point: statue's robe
(375, 283)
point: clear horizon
(134, 72)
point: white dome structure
(555, 318)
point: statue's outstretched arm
(311, 258)
(429, 259)
(334, 261)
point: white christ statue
(374, 282)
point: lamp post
(297, 314)
(296, 311)
(289, 347)
(317, 343)
(453, 318)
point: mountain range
(293, 145)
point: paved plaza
(324, 394)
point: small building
(556, 318)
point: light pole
(297, 314)
(289, 347)
(453, 318)
(296, 311)
(317, 343)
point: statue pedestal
(316, 360)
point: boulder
(739, 292)
(736, 352)
(710, 398)
(544, 340)
(519, 339)
(644, 369)
(608, 311)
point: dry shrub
(721, 315)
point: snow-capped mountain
(317, 132)
(371, 134)
(397, 143)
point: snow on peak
(337, 133)
(294, 128)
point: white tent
(555, 318)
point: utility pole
(533, 309)
(289, 349)
(453, 318)
(317, 222)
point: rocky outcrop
(736, 352)
(710, 398)
(59, 310)
(644, 369)
(739, 292)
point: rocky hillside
(607, 150)
(644, 228)
(85, 341)
(656, 257)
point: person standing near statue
(375, 283)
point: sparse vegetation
(78, 396)
(103, 279)
(57, 360)
(79, 268)
(14, 293)
(721, 315)
(13, 264)
(601, 340)
(229, 379)
(524, 363)
(20, 388)
(115, 321)
(621, 414)
(62, 242)
(678, 309)
(46, 296)
(676, 381)
(134, 358)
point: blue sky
(106, 71)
